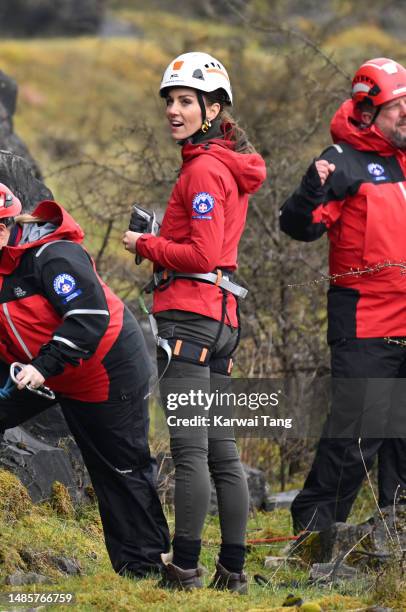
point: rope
(270, 540)
(262, 540)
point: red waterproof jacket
(203, 223)
(56, 313)
(363, 208)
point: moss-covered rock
(14, 498)
(61, 501)
(10, 559)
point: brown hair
(232, 130)
(365, 106)
(27, 218)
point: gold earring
(206, 125)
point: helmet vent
(374, 91)
(198, 74)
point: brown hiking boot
(229, 581)
(178, 579)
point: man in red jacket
(356, 192)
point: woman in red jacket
(198, 317)
(67, 329)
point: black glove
(137, 223)
(311, 182)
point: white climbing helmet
(200, 71)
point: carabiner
(42, 390)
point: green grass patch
(30, 542)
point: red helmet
(10, 205)
(379, 80)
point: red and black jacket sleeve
(81, 304)
(313, 208)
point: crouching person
(68, 330)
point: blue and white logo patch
(203, 204)
(64, 284)
(376, 169)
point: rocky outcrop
(50, 17)
(18, 169)
(18, 174)
(40, 464)
(9, 141)
(35, 563)
(342, 551)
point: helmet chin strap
(202, 105)
(377, 110)
(13, 233)
(374, 118)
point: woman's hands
(130, 241)
(29, 376)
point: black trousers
(113, 439)
(368, 413)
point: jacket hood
(66, 228)
(248, 169)
(344, 128)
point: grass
(41, 531)
(33, 535)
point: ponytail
(27, 218)
(232, 131)
(236, 133)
